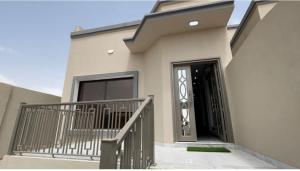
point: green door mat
(208, 149)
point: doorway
(201, 109)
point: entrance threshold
(205, 143)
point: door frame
(217, 60)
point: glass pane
(91, 90)
(120, 89)
(183, 100)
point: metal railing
(73, 129)
(133, 146)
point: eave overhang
(87, 32)
(156, 25)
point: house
(190, 77)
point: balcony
(119, 133)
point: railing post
(14, 132)
(152, 141)
(108, 158)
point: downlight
(193, 23)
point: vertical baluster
(112, 120)
(77, 127)
(100, 128)
(120, 117)
(46, 129)
(22, 122)
(103, 120)
(86, 127)
(95, 122)
(72, 128)
(143, 139)
(97, 128)
(81, 128)
(64, 124)
(38, 132)
(35, 130)
(42, 129)
(14, 146)
(25, 131)
(116, 119)
(72, 132)
(69, 131)
(32, 128)
(91, 118)
(125, 114)
(121, 156)
(127, 152)
(51, 134)
(28, 130)
(109, 122)
(48, 132)
(59, 129)
(148, 133)
(151, 128)
(137, 161)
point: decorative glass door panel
(185, 115)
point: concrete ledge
(25, 162)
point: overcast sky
(35, 36)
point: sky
(35, 36)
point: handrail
(86, 102)
(133, 146)
(121, 135)
(70, 129)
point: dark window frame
(116, 75)
(110, 76)
(107, 85)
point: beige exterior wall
(258, 13)
(230, 33)
(264, 82)
(182, 47)
(88, 56)
(10, 99)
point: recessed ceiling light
(110, 51)
(193, 23)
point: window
(121, 88)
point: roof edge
(105, 28)
(233, 26)
(245, 19)
(157, 4)
(158, 14)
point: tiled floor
(176, 157)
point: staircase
(119, 133)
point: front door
(184, 104)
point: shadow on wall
(264, 84)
